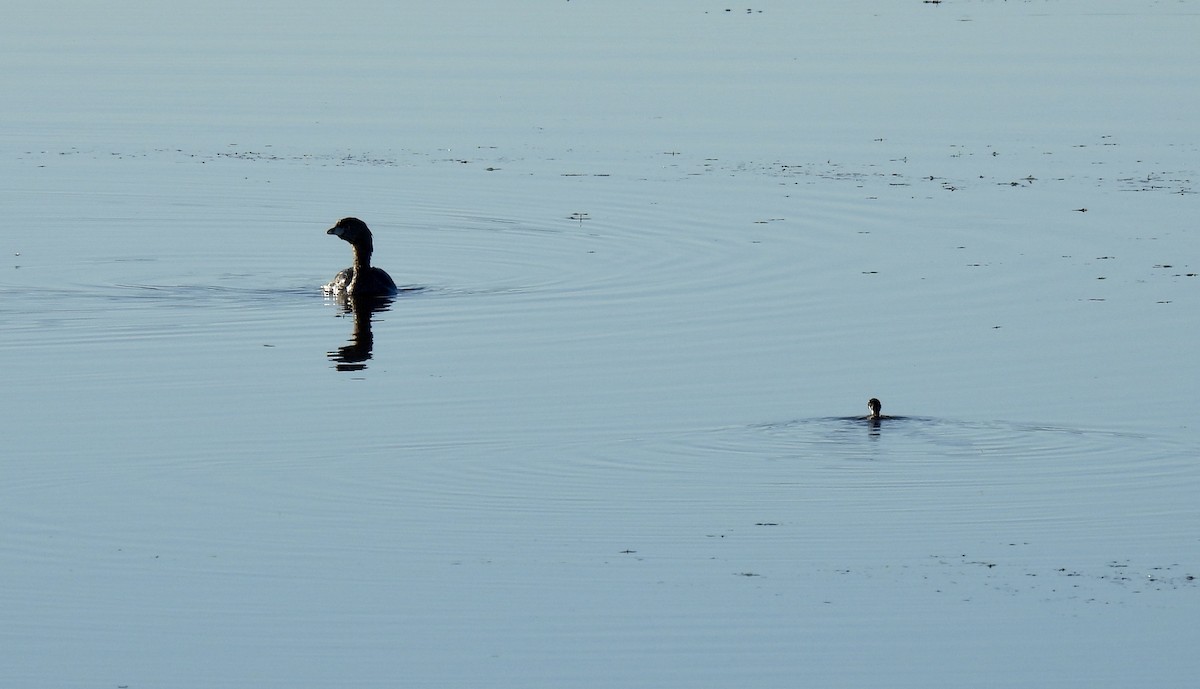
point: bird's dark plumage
(361, 279)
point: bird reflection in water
(353, 356)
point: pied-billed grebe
(360, 279)
(875, 406)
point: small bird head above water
(875, 406)
(352, 230)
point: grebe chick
(875, 406)
(360, 279)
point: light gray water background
(660, 254)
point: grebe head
(874, 405)
(352, 230)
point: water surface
(656, 260)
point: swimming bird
(875, 406)
(361, 279)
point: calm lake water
(656, 259)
